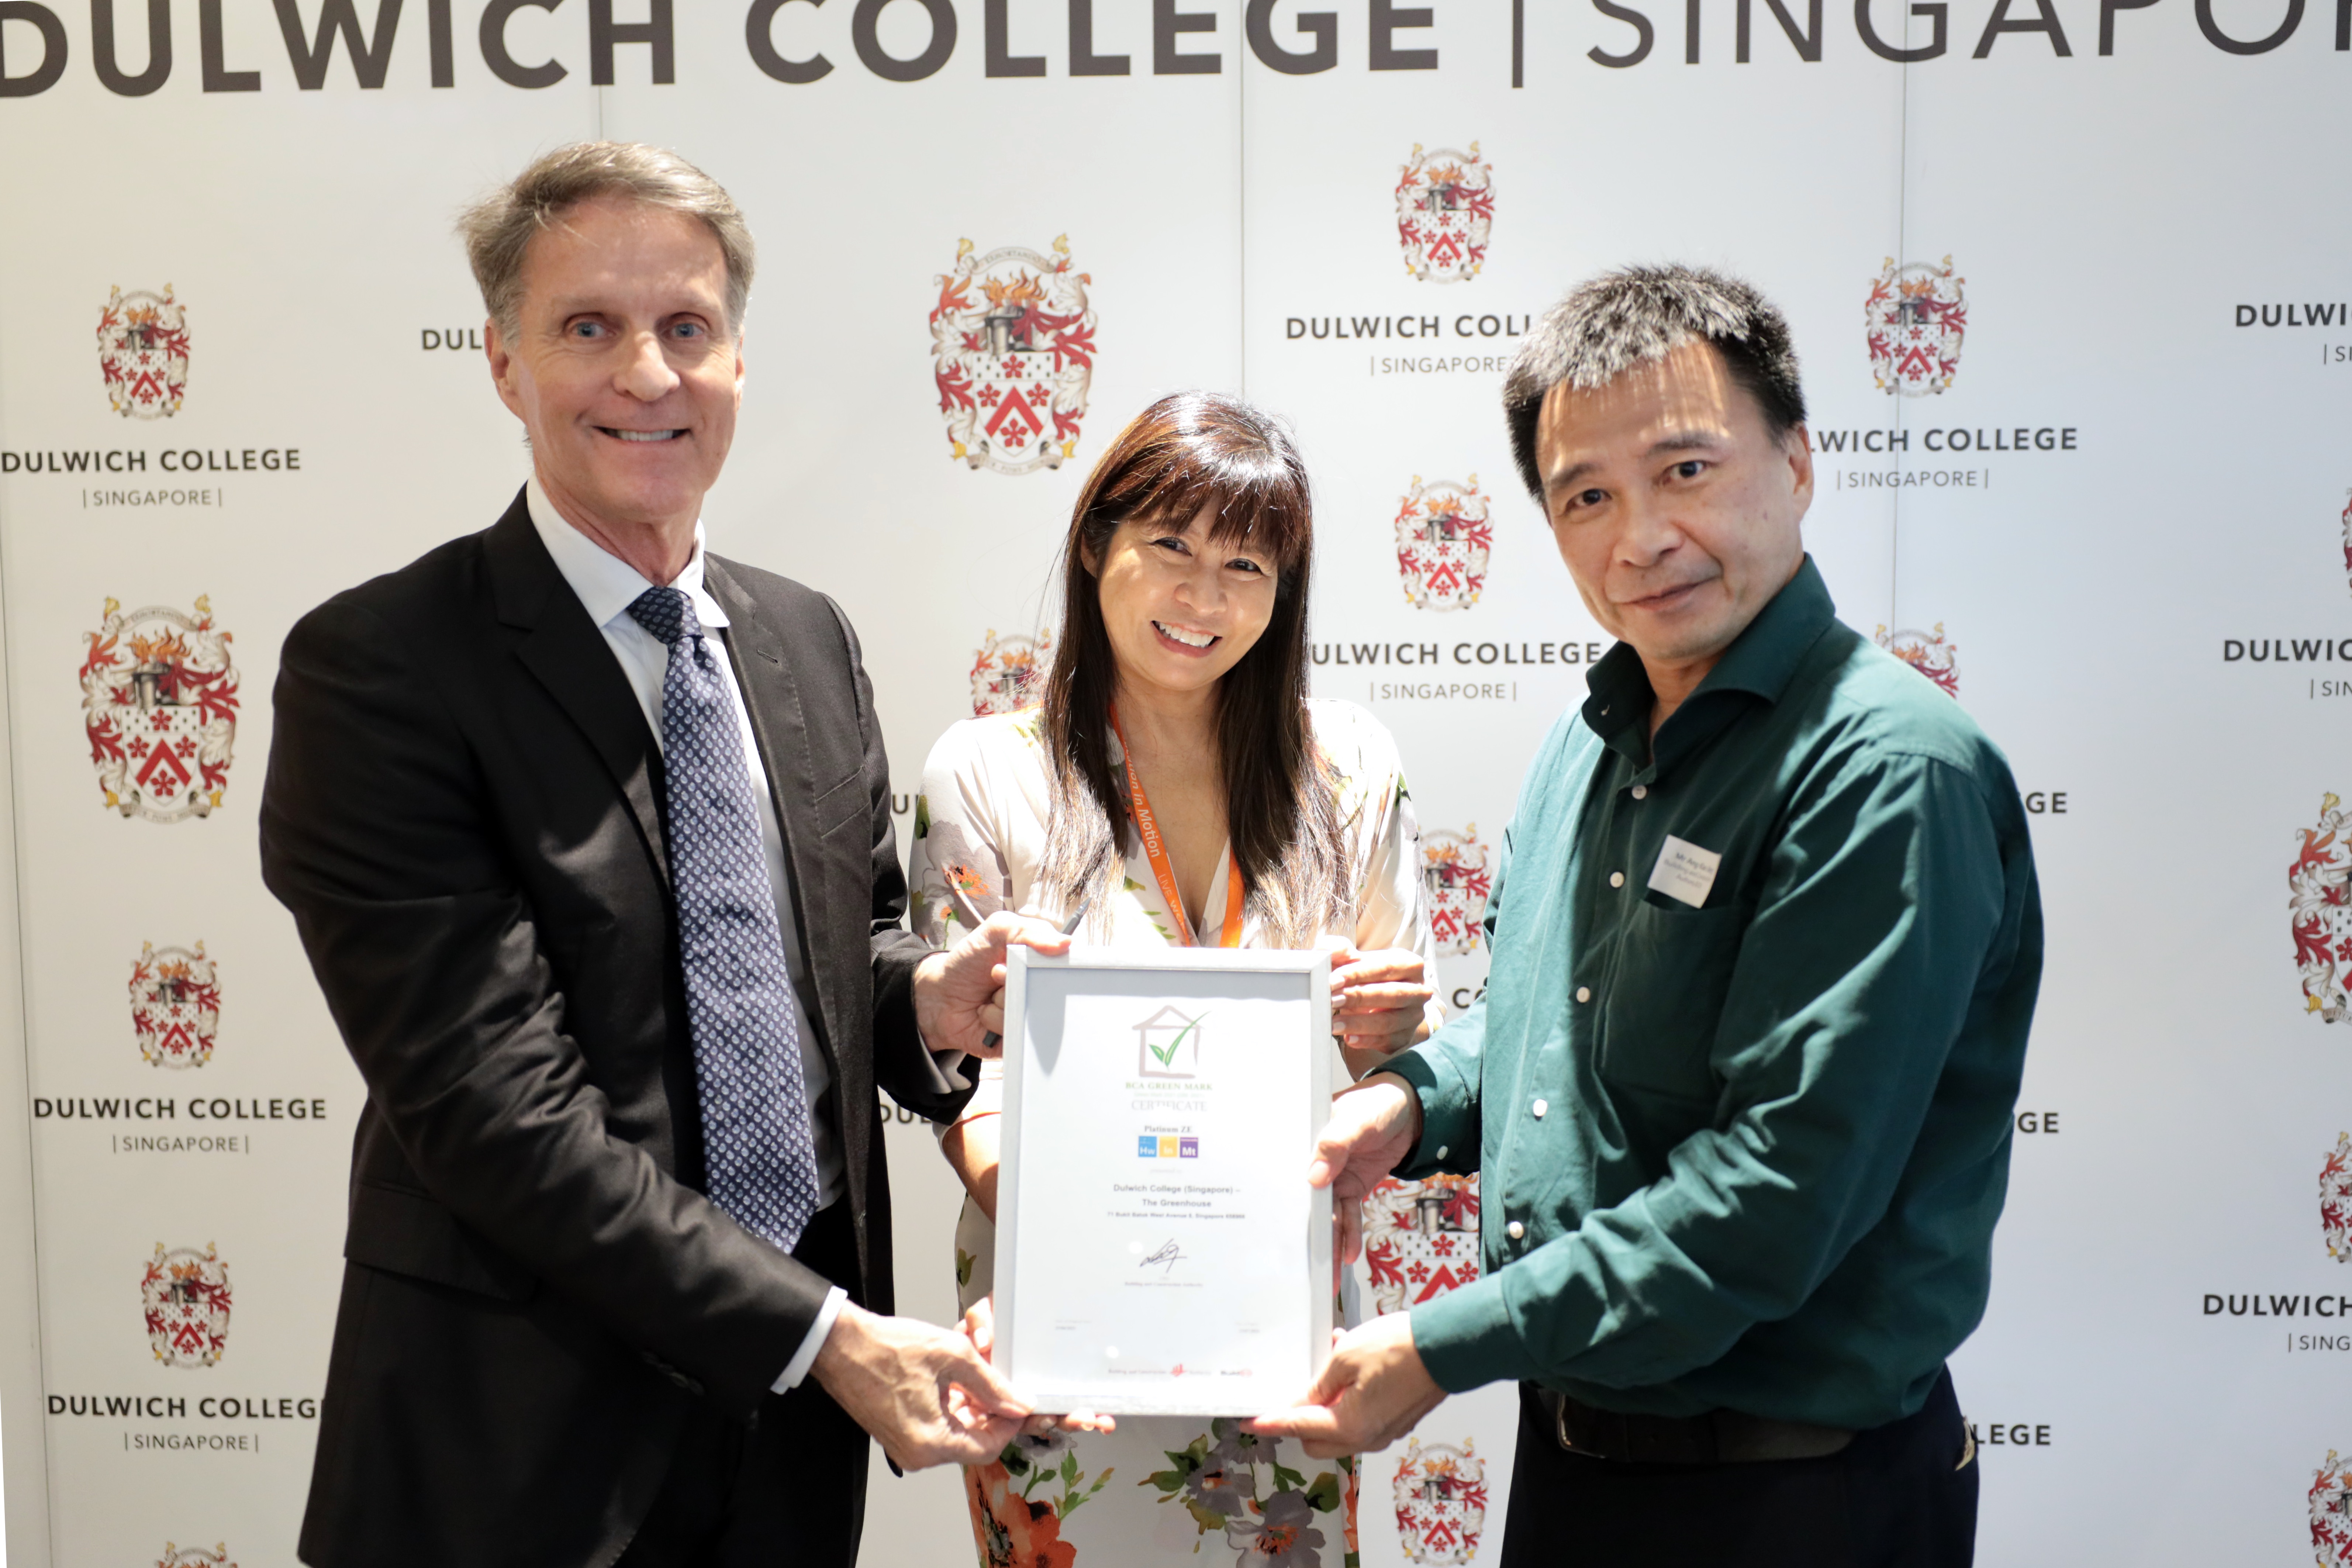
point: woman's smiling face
(1181, 611)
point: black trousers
(784, 1490)
(1899, 1496)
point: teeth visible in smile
(1186, 635)
(645, 434)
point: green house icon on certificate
(1167, 1044)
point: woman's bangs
(1191, 453)
(1254, 500)
(1267, 514)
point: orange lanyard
(1147, 828)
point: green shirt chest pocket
(1673, 968)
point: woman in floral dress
(1177, 701)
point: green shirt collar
(1761, 661)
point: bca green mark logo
(1167, 1044)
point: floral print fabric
(1158, 1490)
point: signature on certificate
(1169, 1253)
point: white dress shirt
(607, 585)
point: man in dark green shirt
(1765, 942)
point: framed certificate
(1159, 1251)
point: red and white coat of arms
(1454, 877)
(2319, 904)
(1008, 674)
(1014, 367)
(1443, 540)
(2331, 1514)
(1930, 653)
(159, 703)
(143, 353)
(1441, 1500)
(1421, 1239)
(1914, 320)
(174, 1006)
(195, 1557)
(1444, 207)
(185, 1294)
(2348, 543)
(2335, 1200)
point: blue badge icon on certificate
(1147, 1146)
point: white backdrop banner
(2078, 252)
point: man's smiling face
(1674, 506)
(623, 366)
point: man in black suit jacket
(553, 1347)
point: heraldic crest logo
(1445, 209)
(1014, 366)
(1421, 1238)
(143, 353)
(1914, 320)
(174, 1006)
(1443, 540)
(159, 703)
(1441, 1500)
(2319, 903)
(1932, 654)
(195, 1556)
(1008, 674)
(1454, 878)
(2331, 1514)
(2336, 1199)
(185, 1294)
(2348, 543)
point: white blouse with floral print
(980, 836)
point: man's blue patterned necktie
(759, 1159)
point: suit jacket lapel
(564, 649)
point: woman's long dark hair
(1188, 451)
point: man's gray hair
(1609, 324)
(498, 228)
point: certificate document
(1159, 1251)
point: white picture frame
(1197, 1281)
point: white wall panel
(2115, 217)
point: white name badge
(1684, 871)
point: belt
(1716, 1437)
